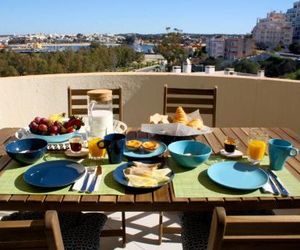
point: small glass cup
(257, 145)
(76, 143)
(95, 152)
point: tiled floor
(142, 232)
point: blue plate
(53, 174)
(120, 178)
(141, 154)
(237, 175)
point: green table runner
(195, 183)
(11, 181)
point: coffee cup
(230, 145)
(279, 151)
(114, 145)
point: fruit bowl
(55, 129)
(25, 133)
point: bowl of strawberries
(54, 129)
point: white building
(215, 46)
(293, 16)
(273, 30)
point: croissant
(196, 124)
(180, 116)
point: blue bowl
(189, 154)
(27, 151)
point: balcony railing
(242, 101)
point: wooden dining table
(162, 199)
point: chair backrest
(32, 234)
(77, 102)
(191, 99)
(253, 232)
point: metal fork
(89, 171)
(94, 180)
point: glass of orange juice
(257, 143)
(95, 152)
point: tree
(246, 66)
(200, 53)
(170, 48)
(294, 75)
(295, 48)
(276, 66)
(217, 62)
(96, 58)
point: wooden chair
(191, 99)
(77, 105)
(37, 230)
(254, 232)
(77, 102)
(32, 234)
(245, 232)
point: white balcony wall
(242, 101)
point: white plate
(235, 154)
(174, 129)
(84, 152)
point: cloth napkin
(78, 184)
(267, 188)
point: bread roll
(157, 119)
(196, 124)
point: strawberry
(70, 129)
(74, 122)
(66, 124)
(78, 123)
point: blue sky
(138, 16)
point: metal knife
(94, 180)
(273, 186)
(278, 183)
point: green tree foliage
(294, 75)
(218, 62)
(200, 53)
(94, 59)
(295, 48)
(170, 48)
(278, 67)
(246, 66)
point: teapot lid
(100, 95)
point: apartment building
(238, 47)
(293, 16)
(273, 30)
(215, 46)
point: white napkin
(267, 188)
(78, 184)
(176, 129)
